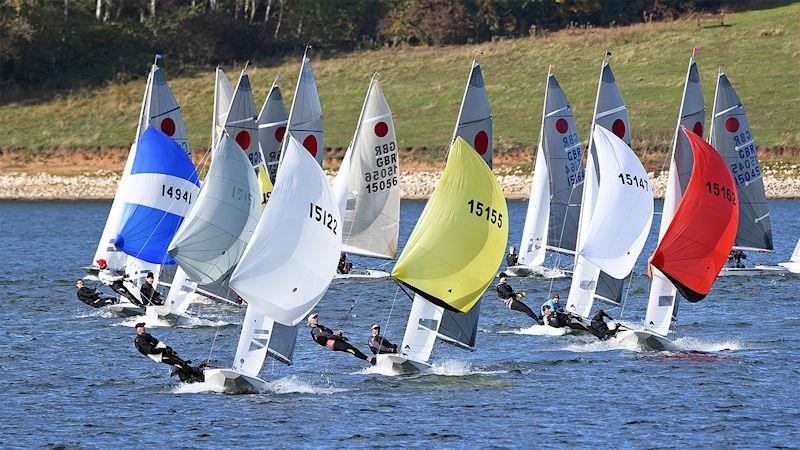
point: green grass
(760, 51)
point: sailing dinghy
(450, 259)
(272, 122)
(367, 187)
(732, 137)
(305, 118)
(794, 262)
(280, 283)
(551, 223)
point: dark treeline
(61, 43)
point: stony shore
(417, 185)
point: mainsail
(697, 242)
(161, 188)
(474, 122)
(161, 110)
(554, 204)
(223, 95)
(240, 122)
(662, 305)
(290, 260)
(367, 184)
(272, 122)
(733, 139)
(616, 232)
(454, 250)
(305, 118)
(214, 234)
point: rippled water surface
(71, 376)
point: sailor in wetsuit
(379, 344)
(325, 337)
(150, 296)
(345, 266)
(92, 296)
(512, 258)
(559, 318)
(507, 295)
(113, 279)
(735, 259)
(599, 328)
(554, 304)
(159, 352)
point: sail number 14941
(486, 211)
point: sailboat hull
(645, 340)
(362, 274)
(538, 271)
(752, 271)
(793, 267)
(400, 364)
(232, 382)
(126, 309)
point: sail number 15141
(486, 211)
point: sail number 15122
(324, 217)
(486, 211)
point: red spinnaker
(699, 239)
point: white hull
(230, 381)
(163, 313)
(545, 330)
(645, 340)
(126, 309)
(362, 274)
(399, 364)
(752, 271)
(538, 271)
(793, 267)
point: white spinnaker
(214, 234)
(662, 302)
(305, 117)
(367, 184)
(624, 210)
(223, 94)
(240, 122)
(160, 109)
(533, 247)
(474, 122)
(292, 256)
(272, 122)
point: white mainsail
(240, 122)
(474, 122)
(616, 232)
(272, 122)
(214, 234)
(662, 305)
(367, 184)
(305, 117)
(223, 94)
(291, 258)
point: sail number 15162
(486, 211)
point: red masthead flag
(699, 238)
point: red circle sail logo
(698, 128)
(381, 129)
(168, 126)
(481, 142)
(618, 128)
(732, 124)
(310, 143)
(243, 139)
(279, 133)
(562, 126)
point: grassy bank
(760, 51)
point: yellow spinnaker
(460, 238)
(264, 184)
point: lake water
(70, 375)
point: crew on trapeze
(150, 296)
(160, 352)
(599, 328)
(335, 341)
(735, 259)
(92, 297)
(510, 298)
(379, 344)
(512, 258)
(554, 316)
(113, 279)
(345, 266)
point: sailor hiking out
(92, 297)
(160, 352)
(335, 341)
(379, 344)
(510, 298)
(114, 279)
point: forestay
(367, 184)
(161, 188)
(662, 304)
(214, 234)
(733, 139)
(305, 117)
(618, 229)
(272, 122)
(474, 122)
(557, 186)
(697, 242)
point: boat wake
(693, 344)
(455, 368)
(101, 312)
(287, 385)
(538, 330)
(682, 345)
(183, 322)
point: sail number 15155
(486, 211)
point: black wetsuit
(511, 260)
(325, 337)
(506, 293)
(379, 344)
(92, 298)
(560, 319)
(148, 345)
(118, 286)
(598, 326)
(344, 265)
(149, 295)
